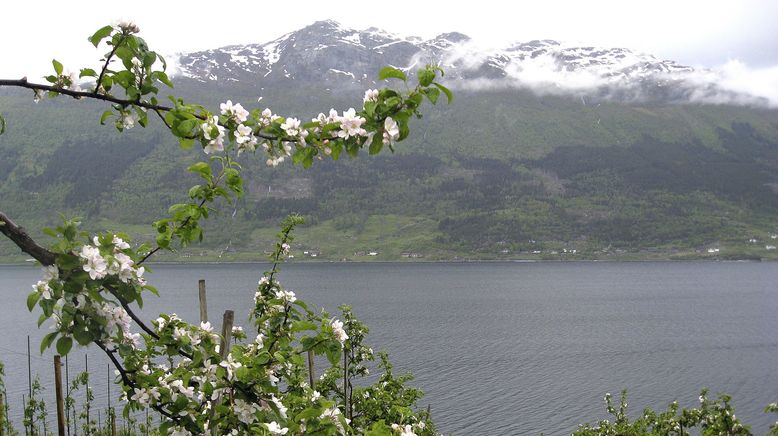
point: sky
(705, 33)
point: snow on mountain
(339, 56)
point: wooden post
(227, 321)
(86, 393)
(111, 414)
(224, 348)
(311, 373)
(29, 382)
(59, 396)
(27, 430)
(203, 302)
(345, 382)
(2, 421)
(67, 391)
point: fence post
(345, 383)
(59, 396)
(229, 319)
(311, 373)
(203, 301)
(224, 350)
(2, 421)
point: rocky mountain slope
(338, 56)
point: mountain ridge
(328, 52)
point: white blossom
(391, 131)
(234, 111)
(95, 264)
(145, 395)
(337, 329)
(74, 85)
(286, 296)
(351, 125)
(215, 143)
(275, 428)
(291, 126)
(119, 243)
(371, 95)
(245, 411)
(43, 289)
(281, 408)
(128, 26)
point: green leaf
(87, 72)
(449, 95)
(149, 59)
(82, 337)
(377, 145)
(2, 125)
(105, 116)
(302, 325)
(186, 143)
(32, 299)
(203, 169)
(186, 126)
(426, 76)
(432, 94)
(64, 344)
(47, 340)
(57, 66)
(391, 73)
(100, 35)
(311, 412)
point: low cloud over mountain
(337, 56)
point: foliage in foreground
(198, 380)
(713, 417)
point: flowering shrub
(196, 378)
(713, 417)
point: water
(503, 348)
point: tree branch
(23, 83)
(22, 239)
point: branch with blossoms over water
(261, 385)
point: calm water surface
(501, 348)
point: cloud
(551, 68)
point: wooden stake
(29, 381)
(345, 382)
(229, 319)
(203, 302)
(67, 391)
(59, 396)
(311, 373)
(224, 349)
(2, 421)
(86, 393)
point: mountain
(328, 53)
(549, 151)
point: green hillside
(496, 175)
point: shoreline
(417, 261)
